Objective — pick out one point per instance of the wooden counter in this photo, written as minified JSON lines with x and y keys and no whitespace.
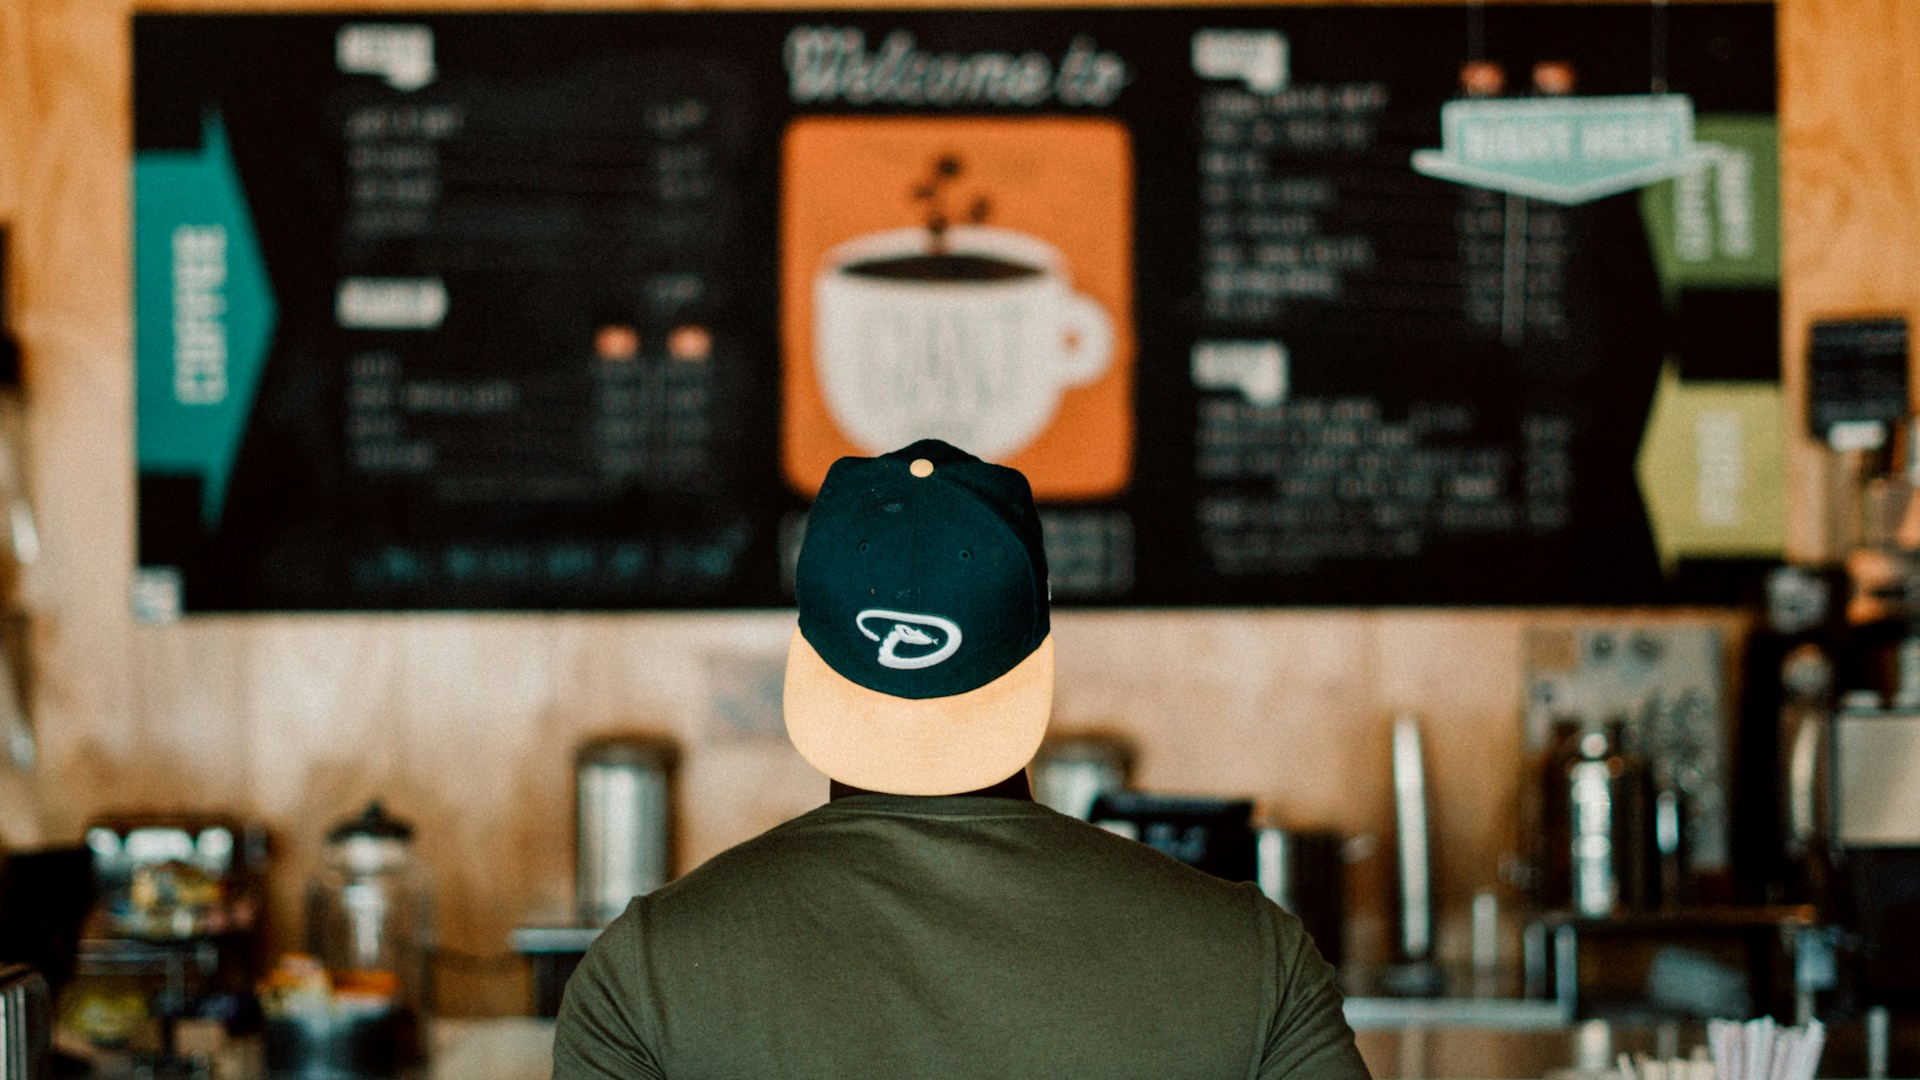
{"x":521,"y":1048}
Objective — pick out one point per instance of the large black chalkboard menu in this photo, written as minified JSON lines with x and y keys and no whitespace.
{"x":572,"y":310}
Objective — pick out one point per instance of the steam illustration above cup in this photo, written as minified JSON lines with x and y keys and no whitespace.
{"x":967,"y":333}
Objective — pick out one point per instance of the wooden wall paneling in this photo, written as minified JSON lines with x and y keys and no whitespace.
{"x":75,"y":187}
{"x":471,"y":689}
{"x":1279,"y":689}
{"x":68,"y":104}
{"x":321,"y":707}
{"x":1461,"y":673}
{"x":1850,"y":203}
{"x":82,"y":657}
{"x":13,"y":93}
{"x":194,"y":747}
{"x":542,"y":832}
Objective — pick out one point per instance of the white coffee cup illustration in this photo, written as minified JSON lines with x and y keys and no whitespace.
{"x":973,"y":343}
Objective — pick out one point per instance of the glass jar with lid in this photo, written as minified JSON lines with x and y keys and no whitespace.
{"x":370,"y":925}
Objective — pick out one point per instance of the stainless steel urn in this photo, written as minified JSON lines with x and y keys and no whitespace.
{"x":623,"y":790}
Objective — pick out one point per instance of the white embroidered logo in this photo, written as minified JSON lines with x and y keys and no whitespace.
{"x":910,"y":629}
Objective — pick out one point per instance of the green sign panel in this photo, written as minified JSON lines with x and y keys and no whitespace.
{"x":1712,"y":469}
{"x":1718,"y":226}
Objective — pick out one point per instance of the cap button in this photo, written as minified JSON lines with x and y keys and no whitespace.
{"x":921,"y":468}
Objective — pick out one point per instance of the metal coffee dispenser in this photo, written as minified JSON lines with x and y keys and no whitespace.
{"x":623,"y":825}
{"x":623,"y":847}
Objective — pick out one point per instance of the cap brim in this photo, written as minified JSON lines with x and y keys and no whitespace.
{"x":929,"y":746}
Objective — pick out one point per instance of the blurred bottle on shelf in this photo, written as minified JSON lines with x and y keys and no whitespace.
{"x":23,"y":817}
{"x":1883,"y":574}
{"x":1792,"y":662}
{"x":19,"y":535}
{"x":21,"y":532}
{"x":1608,"y":799}
{"x":1594,"y":820}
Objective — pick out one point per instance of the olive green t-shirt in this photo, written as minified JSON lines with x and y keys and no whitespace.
{"x":968,"y":936}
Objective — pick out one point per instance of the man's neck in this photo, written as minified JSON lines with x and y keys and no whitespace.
{"x":1013,"y":787}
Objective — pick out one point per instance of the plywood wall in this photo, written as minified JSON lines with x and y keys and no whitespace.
{"x":1850,"y":124}
{"x":466,"y":724}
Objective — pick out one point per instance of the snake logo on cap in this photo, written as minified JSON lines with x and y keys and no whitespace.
{"x":911,"y":629}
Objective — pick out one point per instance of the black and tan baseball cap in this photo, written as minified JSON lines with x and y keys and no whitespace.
{"x":923,"y":661}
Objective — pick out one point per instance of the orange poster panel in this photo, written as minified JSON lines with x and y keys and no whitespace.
{"x":964,"y":279}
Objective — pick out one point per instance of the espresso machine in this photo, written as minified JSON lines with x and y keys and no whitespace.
{"x":1865,"y":764}
{"x":1850,"y":841}
{"x":1875,"y":851}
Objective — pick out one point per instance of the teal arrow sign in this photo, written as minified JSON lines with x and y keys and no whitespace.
{"x":1564,"y":149}
{"x":203,"y":313}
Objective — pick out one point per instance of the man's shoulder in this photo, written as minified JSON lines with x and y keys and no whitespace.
{"x":1020,"y":844}
{"x":1024,"y":864}
{"x":768,"y":853}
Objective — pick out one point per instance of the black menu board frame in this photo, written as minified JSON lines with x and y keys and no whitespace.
{"x":541,"y":308}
